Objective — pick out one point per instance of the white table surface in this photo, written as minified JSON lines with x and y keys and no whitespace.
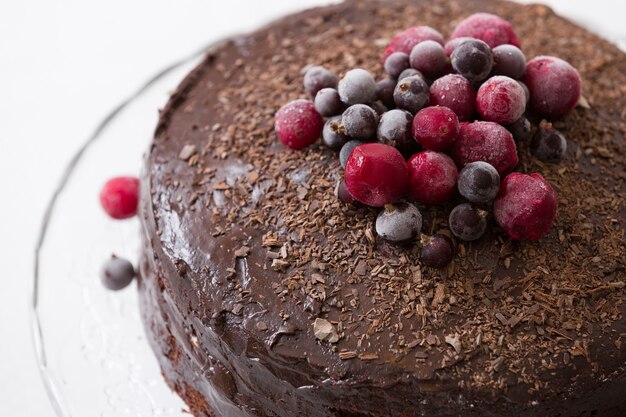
{"x":64,"y":65}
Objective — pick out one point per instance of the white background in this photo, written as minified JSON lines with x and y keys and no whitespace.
{"x":63,"y":65}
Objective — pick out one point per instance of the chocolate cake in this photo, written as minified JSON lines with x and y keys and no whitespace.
{"x":263,"y":295}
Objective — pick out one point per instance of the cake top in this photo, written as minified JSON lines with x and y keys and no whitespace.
{"x":260,"y":239}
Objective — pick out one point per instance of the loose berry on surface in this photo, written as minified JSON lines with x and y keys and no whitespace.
{"x":360,"y":122}
{"x":456,"y":93}
{"x":394,"y":129}
{"x":396,"y":63}
{"x":429,"y":58}
{"x":119,"y":197}
{"x":521,"y":129}
{"x":548,"y":144}
{"x":526,"y":206}
{"x":436,"y":128}
{"x":384,"y":91}
{"x":554,"y":86}
{"x":411,"y":94}
{"x":437,"y":251}
{"x":501,"y":99}
{"x":357,"y":87}
{"x":487,"y":27}
{"x":488,"y":142}
{"x":342,"y":193}
{"x":451,"y":45}
{"x":376,"y":174}
{"x":432,"y":177}
{"x":409,"y":72}
{"x":328,"y":103}
{"x":405,"y":41}
{"x":117,"y":273}
{"x":479,"y":182}
{"x":467,"y":222}
{"x":317,"y":78}
{"x":508,"y":60}
{"x":473,"y":60}
{"x":399,"y":222}
{"x":298,"y":124}
{"x":346,"y":150}
{"x":332,"y":134}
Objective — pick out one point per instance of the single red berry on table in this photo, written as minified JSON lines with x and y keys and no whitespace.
{"x":487,"y":27}
{"x":298,"y":124}
{"x":501,"y":99}
{"x":436,"y":128}
{"x":432,"y":177}
{"x":406,"y":40}
{"x":376,"y":174}
{"x":119,"y":197}
{"x":456,"y":93}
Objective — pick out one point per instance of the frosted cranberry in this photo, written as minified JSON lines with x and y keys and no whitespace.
{"x":456,"y":93}
{"x":488,"y":142}
{"x":399,"y":222}
{"x":396,"y":63}
{"x":548,"y":144}
{"x":117,"y":273}
{"x":317,"y":78}
{"x":298,"y":124}
{"x":525,"y":206}
{"x":487,"y":27}
{"x":411,"y":94}
{"x":554,"y":86}
{"x":376,"y":174}
{"x":435,"y":128}
{"x":473,"y":60}
{"x":508,"y":60}
{"x":501,"y":99}
{"x":437,"y":250}
{"x":432,"y":177}
{"x":451,"y":45}
{"x":405,"y":41}
{"x":119,"y":197}
{"x":467,"y":222}
{"x":429,"y":58}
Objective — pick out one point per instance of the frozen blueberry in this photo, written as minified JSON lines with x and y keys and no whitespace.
{"x":548,"y":144}
{"x":117,"y":273}
{"x":473,"y":60}
{"x":384,"y":91}
{"x":409,"y":72}
{"x":520,"y":129}
{"x":396,"y":63}
{"x":346,"y":150}
{"x":394,"y":129}
{"x":399,"y":222}
{"x":411,"y":94}
{"x":508,"y":60}
{"x":467,"y":222}
{"x":357,"y":87}
{"x":332,"y":134}
{"x":379,"y":107}
{"x":360,"y":122}
{"x":437,"y":251}
{"x":342,"y":193}
{"x":451,"y":45}
{"x":526,"y":91}
{"x":479,"y":182}
{"x":328,"y":103}
{"x":317,"y":78}
{"x":429,"y":58}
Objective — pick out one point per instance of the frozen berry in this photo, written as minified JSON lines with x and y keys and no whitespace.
{"x":376,"y":174}
{"x":298,"y":124}
{"x":399,"y":222}
{"x":117,"y":273}
{"x":432,"y":177}
{"x":396,"y":63}
{"x":384,"y":91}
{"x":479,"y":182}
{"x":360,"y":122}
{"x":520,"y":129}
{"x":473,"y":60}
{"x":317,"y":78}
{"x":119,"y":197}
{"x":508,"y":60}
{"x":411,"y":94}
{"x":437,"y":251}
{"x":436,"y":128}
{"x":346,"y":150}
{"x":554,"y":86}
{"x":342,"y":193}
{"x":429,"y":58}
{"x":501,"y":99}
{"x":488,"y":142}
{"x":548,"y":144}
{"x":456,"y":93}
{"x":394,"y":129}
{"x":409,"y":72}
{"x":487,"y":27}
{"x":467,"y":222}
{"x":328,"y":103}
{"x":332,"y":134}
{"x":525,"y":206}
{"x":405,"y":41}
{"x":526,"y":91}
{"x":357,"y":87}
{"x":379,"y":107}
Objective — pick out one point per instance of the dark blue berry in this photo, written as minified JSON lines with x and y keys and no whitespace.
{"x":342,"y":193}
{"x":521,"y":129}
{"x":399,"y":222}
{"x":473,"y":60}
{"x":327,"y":102}
{"x":409,"y":72}
{"x":467,"y":222}
{"x":437,"y":251}
{"x":411,"y":94}
{"x":360,"y":122}
{"x":429,"y":58}
{"x":508,"y":60}
{"x":479,"y":182}
{"x":317,"y":78}
{"x":357,"y":87}
{"x":379,"y":107}
{"x":346,"y":150}
{"x":548,"y":144}
{"x":394,"y":128}
{"x":526,"y":91}
{"x":332,"y":134}
{"x":117,"y":273}
{"x":396,"y":63}
{"x":384,"y":91}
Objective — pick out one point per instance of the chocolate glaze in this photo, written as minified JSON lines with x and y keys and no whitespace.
{"x":233,"y":342}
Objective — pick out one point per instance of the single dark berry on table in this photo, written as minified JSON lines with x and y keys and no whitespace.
{"x":508,"y":60}
{"x":342,"y":193}
{"x":394,"y":129}
{"x":328,"y":103}
{"x":406,"y":40}
{"x":379,"y":107}
{"x":526,"y":206}
{"x":429,"y":58}
{"x":357,"y":87}
{"x":384,"y":91}
{"x":399,"y":222}
{"x":396,"y":63}
{"x":479,"y":182}
{"x":520,"y":129}
{"x":317,"y":78}
{"x":473,"y":60}
{"x":376,"y":174}
{"x":409,"y":72}
{"x":456,"y":93}
{"x":437,"y":251}
{"x":332,"y":134}
{"x":298,"y":124}
{"x":117,"y":273}
{"x":435,"y":128}
{"x":451,"y":45}
{"x":548,"y":144}
{"x":411,"y":94}
{"x":432,"y":177}
{"x":119,"y":197}
{"x":501,"y":99}
{"x":487,"y":27}
{"x":467,"y":222}
{"x":346,"y":150}
{"x":360,"y":122}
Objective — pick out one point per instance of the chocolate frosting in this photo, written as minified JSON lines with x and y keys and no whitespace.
{"x":245,"y":246}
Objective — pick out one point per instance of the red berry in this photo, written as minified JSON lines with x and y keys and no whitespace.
{"x":525,"y":206}
{"x":488,"y":142}
{"x":405,"y":41}
{"x":487,"y":27}
{"x":554,"y":86}
{"x":432,"y":177}
{"x":298,"y":124}
{"x":436,"y":128}
{"x":376,"y":174}
{"x":456,"y":93}
{"x":119,"y":197}
{"x":501,"y":99}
